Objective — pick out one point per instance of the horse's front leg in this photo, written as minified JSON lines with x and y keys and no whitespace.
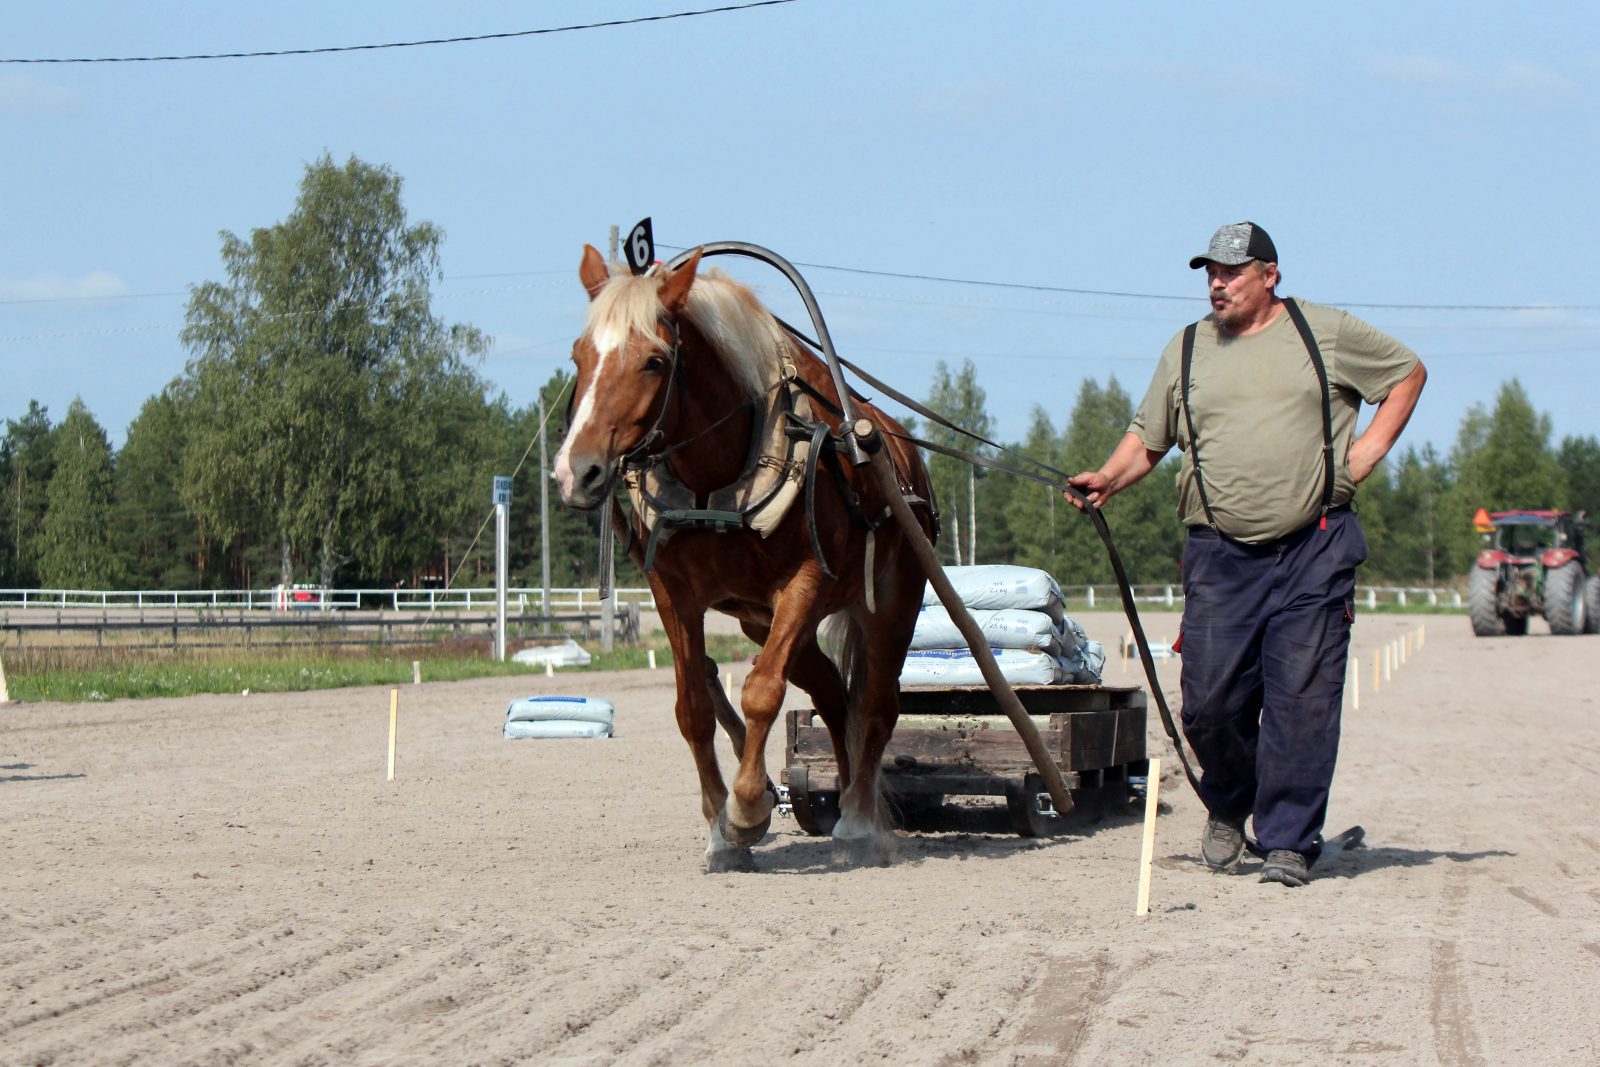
{"x":748,"y":813}
{"x":697,"y":723}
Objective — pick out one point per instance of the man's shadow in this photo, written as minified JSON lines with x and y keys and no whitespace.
{"x":1364,"y":859}
{"x":1354,"y":862}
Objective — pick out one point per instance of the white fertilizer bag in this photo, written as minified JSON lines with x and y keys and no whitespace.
{"x":1034,"y":631}
{"x":564,"y":708}
{"x":1087,"y":663}
{"x":1001,"y":585}
{"x":556,"y":728}
{"x":560,"y":716}
{"x":956,"y":666}
{"x":568,"y":654}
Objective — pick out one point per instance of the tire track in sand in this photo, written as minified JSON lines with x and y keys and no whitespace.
{"x":1072,"y":992}
{"x":1449,"y":1010}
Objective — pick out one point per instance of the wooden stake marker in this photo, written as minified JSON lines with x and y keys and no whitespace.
{"x":394,"y":717}
{"x":651,"y":656}
{"x":5,"y":693}
{"x":1147,"y":852}
{"x":416,"y":672}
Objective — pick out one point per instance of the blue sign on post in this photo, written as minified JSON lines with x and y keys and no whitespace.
{"x":502,"y":489}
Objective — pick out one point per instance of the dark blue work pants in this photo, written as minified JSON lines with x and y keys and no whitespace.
{"x":1266,"y":633}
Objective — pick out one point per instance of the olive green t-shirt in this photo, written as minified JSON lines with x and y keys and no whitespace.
{"x":1257,"y":410}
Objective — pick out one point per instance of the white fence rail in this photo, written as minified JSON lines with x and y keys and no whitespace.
{"x":1107,"y":598}
{"x":523,"y":601}
{"x":529,"y":600}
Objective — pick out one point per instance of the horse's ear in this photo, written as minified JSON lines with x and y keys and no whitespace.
{"x":592,"y":271}
{"x":675,"y":289}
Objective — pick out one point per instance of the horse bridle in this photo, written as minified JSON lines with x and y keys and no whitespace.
{"x":647,"y":451}
{"x":638,"y":456}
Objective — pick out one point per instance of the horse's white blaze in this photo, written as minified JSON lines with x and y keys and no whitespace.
{"x":607,"y":341}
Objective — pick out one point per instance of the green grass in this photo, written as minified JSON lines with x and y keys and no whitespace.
{"x":75,"y":675}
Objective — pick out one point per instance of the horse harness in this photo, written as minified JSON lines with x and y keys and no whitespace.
{"x":1315,"y":353}
{"x":787,"y":444}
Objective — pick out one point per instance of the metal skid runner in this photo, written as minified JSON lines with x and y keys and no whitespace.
{"x":957,"y":741}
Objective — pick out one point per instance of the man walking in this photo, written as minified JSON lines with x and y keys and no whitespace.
{"x":1262,"y":397}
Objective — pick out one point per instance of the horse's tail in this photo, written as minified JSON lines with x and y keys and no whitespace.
{"x":846,"y":642}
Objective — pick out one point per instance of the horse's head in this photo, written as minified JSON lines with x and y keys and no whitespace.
{"x":626,"y":361}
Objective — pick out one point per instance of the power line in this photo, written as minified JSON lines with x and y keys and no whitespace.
{"x":941,"y":279}
{"x":411,"y":44}
{"x":1164,"y":296}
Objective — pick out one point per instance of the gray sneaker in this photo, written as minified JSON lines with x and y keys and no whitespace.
{"x":1222,"y":843}
{"x":1286,"y":867}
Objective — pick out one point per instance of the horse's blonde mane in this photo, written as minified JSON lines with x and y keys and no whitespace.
{"x":747,"y":338}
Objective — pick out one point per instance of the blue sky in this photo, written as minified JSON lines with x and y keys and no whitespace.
{"x":1434,"y":158}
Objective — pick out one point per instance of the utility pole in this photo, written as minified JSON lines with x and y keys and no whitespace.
{"x":544,"y":526}
{"x":608,"y":591}
{"x":972,"y":512}
{"x":502,"y":514}
{"x":616,"y":239}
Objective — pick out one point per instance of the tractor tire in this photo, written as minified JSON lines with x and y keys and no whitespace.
{"x":1563,"y":598}
{"x":1482,"y":586}
{"x":1591,"y":605}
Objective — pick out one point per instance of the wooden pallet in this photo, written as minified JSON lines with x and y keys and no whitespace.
{"x":955,"y":741}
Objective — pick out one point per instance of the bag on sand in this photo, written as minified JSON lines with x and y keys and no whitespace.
{"x":524,"y":728}
{"x":560,"y":716}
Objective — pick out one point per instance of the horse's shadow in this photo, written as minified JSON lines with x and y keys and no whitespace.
{"x":823,"y":855}
{"x":951,"y":832}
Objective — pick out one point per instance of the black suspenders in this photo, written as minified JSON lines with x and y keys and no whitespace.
{"x":1300,"y":324}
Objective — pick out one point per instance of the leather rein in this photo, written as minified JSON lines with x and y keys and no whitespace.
{"x":1044,"y":474}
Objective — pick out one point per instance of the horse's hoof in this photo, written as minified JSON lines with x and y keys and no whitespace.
{"x":875,"y":851}
{"x":730,"y":861}
{"x":742,"y":836}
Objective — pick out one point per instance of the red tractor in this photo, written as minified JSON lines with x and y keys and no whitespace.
{"x":1532,"y":563}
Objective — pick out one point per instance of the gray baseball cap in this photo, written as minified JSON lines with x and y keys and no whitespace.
{"x":1236,"y":243}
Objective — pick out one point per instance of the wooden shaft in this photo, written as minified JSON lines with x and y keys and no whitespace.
{"x":890,"y":486}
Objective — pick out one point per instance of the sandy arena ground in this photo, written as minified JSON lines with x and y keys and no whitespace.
{"x":232,"y":880}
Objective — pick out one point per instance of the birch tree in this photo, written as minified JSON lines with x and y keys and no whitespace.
{"x":325,"y":399}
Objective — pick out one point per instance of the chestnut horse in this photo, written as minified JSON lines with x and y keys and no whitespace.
{"x":687,"y":385}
